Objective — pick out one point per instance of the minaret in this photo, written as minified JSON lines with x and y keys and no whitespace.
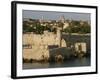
{"x":42,"y":19}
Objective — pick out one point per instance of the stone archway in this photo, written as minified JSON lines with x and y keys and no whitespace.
{"x":59,"y":57}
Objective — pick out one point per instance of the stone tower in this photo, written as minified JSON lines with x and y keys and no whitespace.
{"x":59,"y":36}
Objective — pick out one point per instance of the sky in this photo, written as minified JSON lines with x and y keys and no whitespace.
{"x":51,"y":15}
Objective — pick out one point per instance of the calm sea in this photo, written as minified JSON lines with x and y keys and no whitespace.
{"x":75,"y":62}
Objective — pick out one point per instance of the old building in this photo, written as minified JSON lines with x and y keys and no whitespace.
{"x":36,"y":46}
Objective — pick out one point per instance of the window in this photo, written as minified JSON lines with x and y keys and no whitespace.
{"x":27,"y":46}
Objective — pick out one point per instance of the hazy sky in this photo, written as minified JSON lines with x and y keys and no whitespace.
{"x":55,"y":15}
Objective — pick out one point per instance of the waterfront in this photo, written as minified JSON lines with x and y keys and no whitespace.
{"x":73,"y":62}
{"x":70,"y":62}
{"x":49,"y":43}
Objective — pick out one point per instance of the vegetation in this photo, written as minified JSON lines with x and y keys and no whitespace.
{"x":37,"y":28}
{"x":74,"y":27}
